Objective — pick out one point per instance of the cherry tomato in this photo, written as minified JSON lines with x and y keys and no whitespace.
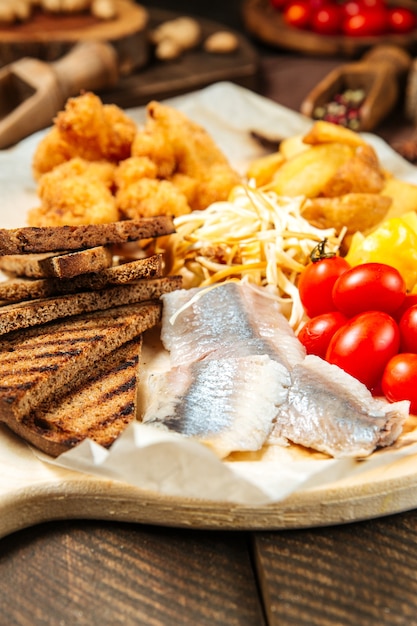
{"x":316,"y":283}
{"x":364,"y":345}
{"x":327,"y":20}
{"x":351,"y":7}
{"x":369,"y":286}
{"x":409,"y":300}
{"x":298,"y":14}
{"x":408,"y":330}
{"x":316,"y":334}
{"x":319,"y":4}
{"x":366,"y":23}
{"x":401,"y":20}
{"x":399,"y":381}
{"x":372,"y":4}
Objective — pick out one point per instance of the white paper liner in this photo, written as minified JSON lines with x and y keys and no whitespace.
{"x":166,"y":463}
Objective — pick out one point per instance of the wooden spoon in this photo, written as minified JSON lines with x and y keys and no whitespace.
{"x":33,"y":91}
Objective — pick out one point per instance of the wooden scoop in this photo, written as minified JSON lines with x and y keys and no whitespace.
{"x":33,"y":91}
{"x":378,"y":74}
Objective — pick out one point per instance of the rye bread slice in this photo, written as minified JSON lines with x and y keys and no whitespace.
{"x":39,"y":363}
{"x":18,"y":289}
{"x":100,"y":408}
{"x":49,"y":264}
{"x":34,"y":312}
{"x":28,"y":239}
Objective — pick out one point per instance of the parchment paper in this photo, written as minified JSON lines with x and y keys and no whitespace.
{"x":168,"y":463}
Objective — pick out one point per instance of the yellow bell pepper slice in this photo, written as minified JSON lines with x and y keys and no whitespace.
{"x":394,"y":242}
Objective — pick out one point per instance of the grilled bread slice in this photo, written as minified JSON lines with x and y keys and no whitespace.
{"x":34,"y":312}
{"x":50,"y":264}
{"x":18,"y":289}
{"x":99,"y":408}
{"x":42,"y":362}
{"x":28,"y":239}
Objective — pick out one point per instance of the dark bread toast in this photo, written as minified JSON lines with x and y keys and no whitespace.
{"x":100,"y":408}
{"x":51,"y":264}
{"x":28,"y":239}
{"x":18,"y":289}
{"x":43,"y":361}
{"x":35,"y":312}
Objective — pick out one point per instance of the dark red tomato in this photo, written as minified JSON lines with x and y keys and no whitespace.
{"x":316,"y":283}
{"x":369,"y":286}
{"x":399,"y":381}
{"x":364,"y":345}
{"x":408,"y":330}
{"x":298,"y":14}
{"x":372,"y":4}
{"x":351,"y":7}
{"x":319,"y":4}
{"x":327,"y":20}
{"x":316,"y":334}
{"x":409,"y":300}
{"x":366,"y":23}
{"x":401,"y":20}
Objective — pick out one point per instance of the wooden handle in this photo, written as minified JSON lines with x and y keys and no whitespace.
{"x":89,"y":66}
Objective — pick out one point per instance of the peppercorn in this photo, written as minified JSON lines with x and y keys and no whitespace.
{"x":344,"y":109}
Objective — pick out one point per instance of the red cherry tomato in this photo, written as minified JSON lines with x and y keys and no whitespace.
{"x":372,"y":4}
{"x":409,"y":300}
{"x":364,"y":345}
{"x":399,"y":381}
{"x":408,"y":330}
{"x":298,"y":14}
{"x":316,"y":283}
{"x":366,"y":23}
{"x":369,"y":286}
{"x":351,"y":7}
{"x":316,"y":334}
{"x":327,"y":20}
{"x":401,"y":20}
{"x":319,"y":4}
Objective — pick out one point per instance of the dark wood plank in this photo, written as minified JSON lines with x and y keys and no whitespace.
{"x":359,"y":574}
{"x":89,"y":573}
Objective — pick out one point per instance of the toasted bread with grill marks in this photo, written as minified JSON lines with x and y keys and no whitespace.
{"x":28,"y":239}
{"x":34,"y":312}
{"x":41,"y":362}
{"x":99,"y":408}
{"x":18,"y":289}
{"x":50,"y":264}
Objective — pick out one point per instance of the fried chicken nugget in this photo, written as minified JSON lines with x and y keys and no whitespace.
{"x":76,"y":192}
{"x":149,"y":197}
{"x":179,"y":146}
{"x":86,"y":128}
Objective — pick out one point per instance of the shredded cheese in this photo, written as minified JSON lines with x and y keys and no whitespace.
{"x":255,"y":236}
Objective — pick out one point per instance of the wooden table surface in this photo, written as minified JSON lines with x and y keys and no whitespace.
{"x":76,"y":573}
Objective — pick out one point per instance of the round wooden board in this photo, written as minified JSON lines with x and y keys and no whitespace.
{"x":48,"y":36}
{"x":32,"y":492}
{"x":265,"y":23}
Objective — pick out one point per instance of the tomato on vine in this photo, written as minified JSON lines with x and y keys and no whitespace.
{"x":316,"y":281}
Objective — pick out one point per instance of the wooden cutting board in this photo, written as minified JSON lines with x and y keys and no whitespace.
{"x":32,"y":492}
{"x":193,"y":70}
{"x":48,"y":36}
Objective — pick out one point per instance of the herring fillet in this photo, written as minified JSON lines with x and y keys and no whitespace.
{"x":232,"y":320}
{"x":330,"y":411}
{"x":228,"y":403}
{"x":322,"y":407}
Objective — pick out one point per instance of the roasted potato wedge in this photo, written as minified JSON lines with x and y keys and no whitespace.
{"x":291,"y":146}
{"x":403,"y":196}
{"x":309,"y":171}
{"x":325,"y":132}
{"x":353,"y":211}
{"x":262,"y":170}
{"x":360,"y":174}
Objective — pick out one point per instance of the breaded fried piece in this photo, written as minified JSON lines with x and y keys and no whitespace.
{"x":86,"y":128}
{"x":133,"y":169}
{"x":178,"y":145}
{"x":76,"y":192}
{"x":149,"y":197}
